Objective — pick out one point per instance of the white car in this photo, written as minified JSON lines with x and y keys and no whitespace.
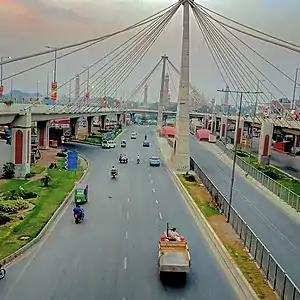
{"x":133,"y":135}
{"x":108,"y":144}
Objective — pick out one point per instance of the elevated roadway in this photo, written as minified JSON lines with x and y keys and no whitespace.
{"x":275,"y":224}
{"x":40,"y":112}
{"x":113,"y":253}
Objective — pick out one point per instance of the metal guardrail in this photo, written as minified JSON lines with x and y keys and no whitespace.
{"x":280,"y":282}
{"x":278,"y":189}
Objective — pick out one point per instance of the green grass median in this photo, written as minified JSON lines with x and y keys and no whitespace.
{"x":229,"y":238}
{"x":276,"y":174}
{"x":25,"y":224}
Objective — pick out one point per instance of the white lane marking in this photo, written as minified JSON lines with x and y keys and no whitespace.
{"x":153,"y":190}
{"x":127,"y":215}
{"x":160,"y":215}
{"x":150,"y":175}
{"x":156,"y":201}
{"x":128,"y":199}
{"x":126,"y":235}
{"x":151,"y":181}
{"x":125,"y":263}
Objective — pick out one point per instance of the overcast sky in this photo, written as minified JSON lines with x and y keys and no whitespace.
{"x":27,"y":26}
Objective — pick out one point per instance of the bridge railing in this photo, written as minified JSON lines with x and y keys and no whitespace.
{"x":274,"y":273}
{"x":278,"y":279}
{"x":278,"y":189}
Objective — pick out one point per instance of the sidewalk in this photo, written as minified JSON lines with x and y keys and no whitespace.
{"x":165,"y":149}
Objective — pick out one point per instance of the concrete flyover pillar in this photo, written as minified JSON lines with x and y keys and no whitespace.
{"x":74,"y":124}
{"x":213,"y":125}
{"x":43,"y":134}
{"x":124,"y":119}
{"x":223,"y":128}
{"x":90,"y":124}
{"x":164,"y":120}
{"x":103,"y":122}
{"x":118,"y":118}
{"x":265,"y":142}
{"x":238,"y":132}
{"x":21,"y":144}
{"x":206,"y":121}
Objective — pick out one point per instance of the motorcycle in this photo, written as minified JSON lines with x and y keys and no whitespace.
{"x":78,"y":218}
{"x":113,"y":174}
{"x":138,"y":161}
{"x":2,"y":273}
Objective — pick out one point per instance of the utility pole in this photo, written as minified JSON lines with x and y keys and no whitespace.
{"x":253,"y":117}
{"x":235,"y":146}
{"x":161,"y":94}
{"x":294,"y":89}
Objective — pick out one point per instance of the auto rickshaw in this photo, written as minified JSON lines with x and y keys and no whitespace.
{"x":81,"y":193}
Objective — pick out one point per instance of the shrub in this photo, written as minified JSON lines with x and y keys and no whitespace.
{"x":61,"y":154}
{"x":28,"y":195}
{"x":189,"y":177}
{"x":11,"y":206}
{"x":30,"y":174}
{"x":46,"y":180}
{"x":4,"y":219}
{"x":8,"y":170}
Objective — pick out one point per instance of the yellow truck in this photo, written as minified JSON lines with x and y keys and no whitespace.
{"x":173,"y":257}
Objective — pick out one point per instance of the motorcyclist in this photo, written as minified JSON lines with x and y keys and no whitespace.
{"x":138,"y":158}
{"x":113,"y":169}
{"x":77,"y":210}
{"x":145,"y":137}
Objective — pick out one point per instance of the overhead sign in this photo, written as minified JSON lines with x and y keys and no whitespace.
{"x":72,"y":160}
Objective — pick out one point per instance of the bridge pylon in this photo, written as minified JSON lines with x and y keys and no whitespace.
{"x":181,"y":145}
{"x":160,"y":107}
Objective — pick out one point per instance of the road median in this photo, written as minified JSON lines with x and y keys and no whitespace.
{"x":28,"y":226}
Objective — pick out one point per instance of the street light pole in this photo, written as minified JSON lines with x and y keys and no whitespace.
{"x":294,"y":89}
{"x":253,"y":116}
{"x":11,"y":88}
{"x":2,"y":58}
{"x":235,"y":147}
{"x":37,"y":89}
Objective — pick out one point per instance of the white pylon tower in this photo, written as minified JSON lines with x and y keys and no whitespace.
{"x":161,"y":94}
{"x":181,"y":146}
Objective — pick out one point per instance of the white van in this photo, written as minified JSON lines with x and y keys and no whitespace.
{"x":108,"y":144}
{"x":133,"y":135}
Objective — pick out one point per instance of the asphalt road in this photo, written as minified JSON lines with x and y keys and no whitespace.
{"x":113,"y":254}
{"x":275,"y":227}
{"x":287,"y":163}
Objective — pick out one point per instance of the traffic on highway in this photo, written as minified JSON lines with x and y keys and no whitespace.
{"x":113,"y":252}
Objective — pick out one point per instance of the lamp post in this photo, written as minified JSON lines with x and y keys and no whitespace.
{"x":87,"y":95}
{"x":2,"y":58}
{"x":48,"y":83}
{"x":294,"y":89}
{"x":235,"y":147}
{"x":37,"y":89}
{"x":55,"y":64}
{"x":11,"y":88}
{"x":253,"y":116}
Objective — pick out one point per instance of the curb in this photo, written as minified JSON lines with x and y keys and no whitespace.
{"x":227,"y":259}
{"x":54,"y":217}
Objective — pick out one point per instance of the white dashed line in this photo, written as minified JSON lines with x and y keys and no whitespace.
{"x":153,"y":190}
{"x":127,"y":215}
{"x":126,"y":235}
{"x":151,"y":181}
{"x":156,"y":201}
{"x":150,"y":175}
{"x":128,"y":199}
{"x":160,"y":215}
{"x":125,"y":263}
